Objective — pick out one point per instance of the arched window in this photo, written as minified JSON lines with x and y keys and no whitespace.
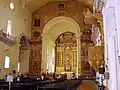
{"x":7,"y":62}
{"x":11,"y":6}
{"x":9,"y":27}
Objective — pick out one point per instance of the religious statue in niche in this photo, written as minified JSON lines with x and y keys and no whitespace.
{"x":24,"y":43}
{"x":87,"y":66}
{"x":35,"y":65}
{"x":68,"y":66}
{"x":67,"y":63}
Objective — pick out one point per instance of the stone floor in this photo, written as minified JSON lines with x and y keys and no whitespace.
{"x":88,"y":85}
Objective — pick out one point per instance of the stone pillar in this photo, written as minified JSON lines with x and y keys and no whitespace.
{"x":112,"y":63}
{"x":47,"y":45}
{"x":17,"y":58}
{"x":110,"y":35}
{"x":44,"y":54}
{"x":78,"y":53}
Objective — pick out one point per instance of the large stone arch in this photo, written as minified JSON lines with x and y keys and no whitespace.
{"x":51,"y":31}
{"x":58,"y":20}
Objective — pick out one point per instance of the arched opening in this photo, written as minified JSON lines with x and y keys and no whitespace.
{"x":54,"y":30}
{"x":24,"y":51}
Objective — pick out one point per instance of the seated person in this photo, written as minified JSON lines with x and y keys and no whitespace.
{"x":42,"y":77}
{"x":59,"y":76}
{"x":22,"y":78}
{"x":73,"y":76}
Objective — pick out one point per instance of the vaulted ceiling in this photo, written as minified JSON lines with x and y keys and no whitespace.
{"x":33,"y":5}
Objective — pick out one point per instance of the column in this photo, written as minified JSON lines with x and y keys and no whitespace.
{"x":16,"y":57}
{"x":53,"y":56}
{"x":78,"y":53}
{"x":44,"y":54}
{"x":117,"y":12}
{"x":112,"y":63}
{"x":110,"y":27}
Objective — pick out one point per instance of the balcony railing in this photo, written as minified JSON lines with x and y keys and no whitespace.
{"x":6,"y":38}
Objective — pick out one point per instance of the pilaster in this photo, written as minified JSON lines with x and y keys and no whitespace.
{"x":78,"y":53}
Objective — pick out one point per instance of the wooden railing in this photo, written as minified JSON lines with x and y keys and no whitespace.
{"x":6,"y":38}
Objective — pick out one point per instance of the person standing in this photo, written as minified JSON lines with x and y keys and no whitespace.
{"x":9,"y":78}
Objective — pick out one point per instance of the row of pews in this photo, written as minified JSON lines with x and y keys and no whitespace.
{"x":42,"y":85}
{"x":64,"y":85}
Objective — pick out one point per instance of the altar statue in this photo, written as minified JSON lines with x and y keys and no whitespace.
{"x":67,"y":66}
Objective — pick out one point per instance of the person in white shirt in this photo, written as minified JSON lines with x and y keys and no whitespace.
{"x":9,"y":78}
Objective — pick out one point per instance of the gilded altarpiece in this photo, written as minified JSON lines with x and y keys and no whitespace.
{"x":66,"y":53}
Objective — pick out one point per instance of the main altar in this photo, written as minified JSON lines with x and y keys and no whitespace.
{"x":66,"y":53}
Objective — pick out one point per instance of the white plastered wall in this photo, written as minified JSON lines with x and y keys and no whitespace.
{"x":21,"y":23}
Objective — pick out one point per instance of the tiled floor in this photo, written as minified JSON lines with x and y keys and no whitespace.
{"x":88,"y":85}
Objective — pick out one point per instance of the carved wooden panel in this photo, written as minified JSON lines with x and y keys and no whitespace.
{"x":86,"y":42}
{"x":35,"y":57}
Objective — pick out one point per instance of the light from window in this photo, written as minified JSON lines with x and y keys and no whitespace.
{"x":11,"y":6}
{"x":9,"y":27}
{"x":18,"y":67}
{"x":7,"y":62}
{"x":53,"y":68}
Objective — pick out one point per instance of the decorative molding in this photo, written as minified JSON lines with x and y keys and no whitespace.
{"x":99,"y":5}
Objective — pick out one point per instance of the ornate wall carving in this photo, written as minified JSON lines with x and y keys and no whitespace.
{"x":66,"y":52}
{"x":35,"y":57}
{"x":85,"y":44}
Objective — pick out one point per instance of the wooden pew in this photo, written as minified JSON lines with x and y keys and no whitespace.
{"x":25,"y":85}
{"x":65,"y":85}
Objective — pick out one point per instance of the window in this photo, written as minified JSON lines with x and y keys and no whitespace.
{"x":9,"y":27}
{"x":7,"y":62}
{"x":11,"y":6}
{"x":18,"y":67}
{"x":36,"y":22}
